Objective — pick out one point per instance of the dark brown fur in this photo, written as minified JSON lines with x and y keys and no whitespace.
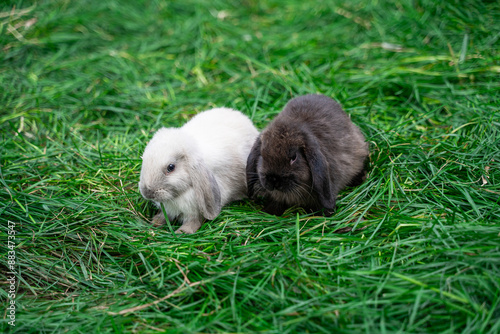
{"x":305,"y":156}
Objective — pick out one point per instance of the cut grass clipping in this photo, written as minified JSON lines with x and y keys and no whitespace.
{"x":85,"y":84}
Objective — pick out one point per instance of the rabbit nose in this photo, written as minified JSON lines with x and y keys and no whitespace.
{"x":148,"y":193}
{"x":272,"y":180}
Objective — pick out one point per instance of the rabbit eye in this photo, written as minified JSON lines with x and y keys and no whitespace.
{"x":292,"y":160}
{"x":170,"y":168}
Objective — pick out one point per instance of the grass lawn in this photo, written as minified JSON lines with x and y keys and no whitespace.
{"x":85,"y":84}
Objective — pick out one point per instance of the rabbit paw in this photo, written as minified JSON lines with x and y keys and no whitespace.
{"x":159,"y":219}
{"x":189,"y":227}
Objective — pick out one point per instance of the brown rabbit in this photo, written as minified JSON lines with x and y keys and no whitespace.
{"x":305,"y":156}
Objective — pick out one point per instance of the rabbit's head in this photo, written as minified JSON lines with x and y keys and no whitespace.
{"x":172,"y":165}
{"x":287,"y":161}
{"x":282,"y":164}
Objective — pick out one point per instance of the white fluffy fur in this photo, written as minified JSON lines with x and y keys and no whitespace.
{"x":216,"y":143}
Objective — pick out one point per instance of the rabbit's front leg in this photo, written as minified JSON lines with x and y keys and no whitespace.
{"x":159,"y":219}
{"x":189,"y":226}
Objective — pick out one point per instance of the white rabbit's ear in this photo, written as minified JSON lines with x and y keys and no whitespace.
{"x":206,"y":190}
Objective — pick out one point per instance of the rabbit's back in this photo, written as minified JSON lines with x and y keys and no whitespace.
{"x":225,"y":138}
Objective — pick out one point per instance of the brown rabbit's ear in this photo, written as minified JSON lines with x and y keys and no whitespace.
{"x":320,"y":172}
{"x":253,"y":158}
{"x":206,"y":190}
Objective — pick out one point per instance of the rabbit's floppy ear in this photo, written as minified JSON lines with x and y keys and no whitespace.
{"x":319,"y":171}
{"x":206,"y":190}
{"x":253,"y":158}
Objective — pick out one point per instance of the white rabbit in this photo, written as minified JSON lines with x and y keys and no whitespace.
{"x":198,"y":168}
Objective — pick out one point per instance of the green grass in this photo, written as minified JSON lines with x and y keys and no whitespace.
{"x":415,"y":249}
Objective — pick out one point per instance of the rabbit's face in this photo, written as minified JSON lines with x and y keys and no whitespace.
{"x":165,"y":181}
{"x":282,"y":165}
{"x":164,"y":173}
